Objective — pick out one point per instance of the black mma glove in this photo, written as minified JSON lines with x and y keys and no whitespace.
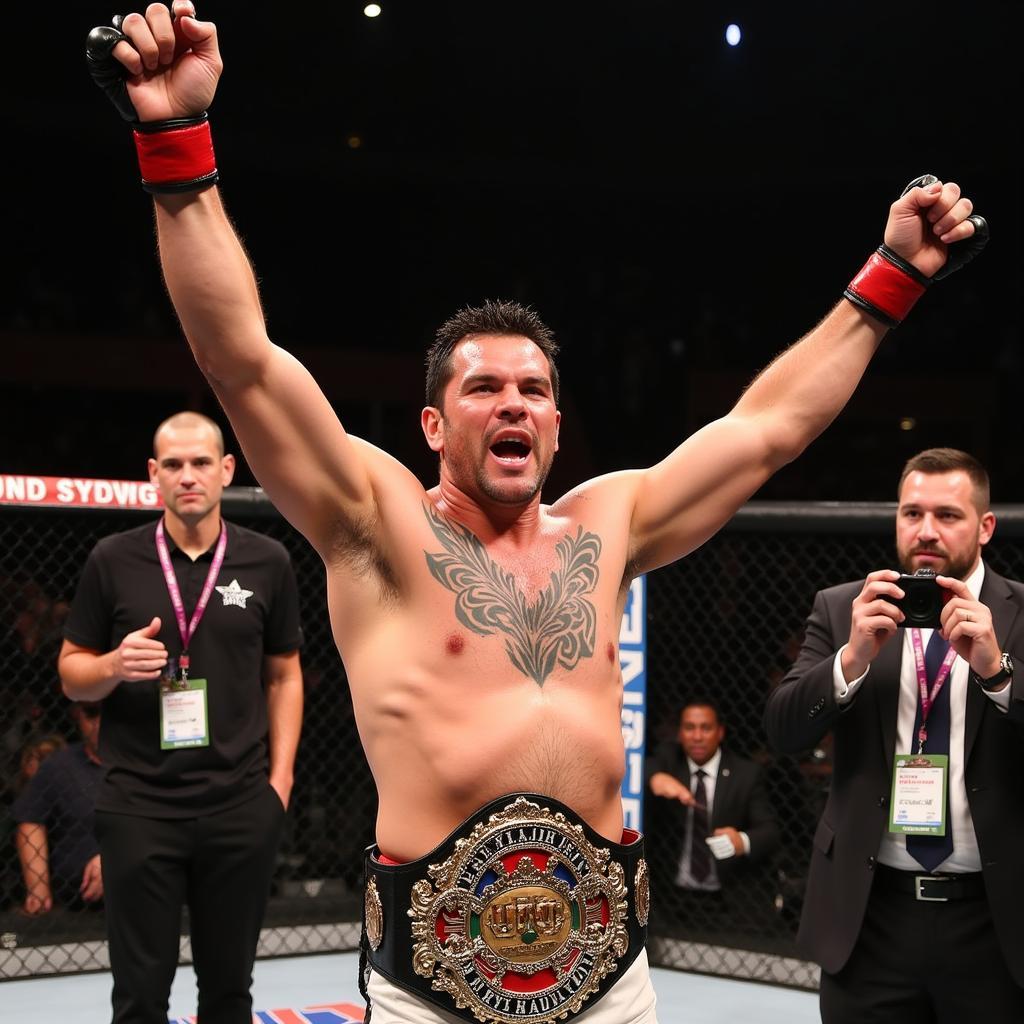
{"x":174,"y":155}
{"x":887,"y":286}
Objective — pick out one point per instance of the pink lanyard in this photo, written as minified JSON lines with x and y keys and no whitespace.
{"x":188,"y":629}
{"x":927,"y":699}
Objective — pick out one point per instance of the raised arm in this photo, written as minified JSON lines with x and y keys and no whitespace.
{"x":291,"y":436}
{"x":686,"y":498}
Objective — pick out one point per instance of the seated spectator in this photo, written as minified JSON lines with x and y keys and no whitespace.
{"x":33,"y":754}
{"x":36,"y":749}
{"x":59,"y":856}
{"x":711,"y":824}
{"x":21,"y":724}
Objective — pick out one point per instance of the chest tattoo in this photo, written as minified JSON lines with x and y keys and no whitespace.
{"x":557,"y":629}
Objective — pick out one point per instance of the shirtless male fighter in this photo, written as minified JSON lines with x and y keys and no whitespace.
{"x":478,"y":626}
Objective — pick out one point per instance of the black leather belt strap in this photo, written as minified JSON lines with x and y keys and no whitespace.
{"x":501,"y":909}
{"x":931,"y":888}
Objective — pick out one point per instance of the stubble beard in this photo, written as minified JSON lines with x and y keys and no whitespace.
{"x":512,"y":491}
{"x":502,"y":490}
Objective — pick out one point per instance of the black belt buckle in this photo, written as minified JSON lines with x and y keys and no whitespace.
{"x":921,"y":880}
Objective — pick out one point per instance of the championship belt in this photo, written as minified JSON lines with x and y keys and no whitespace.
{"x":523,"y":915}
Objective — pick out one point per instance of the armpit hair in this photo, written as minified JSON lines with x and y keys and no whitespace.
{"x":355,"y":547}
{"x":630,"y":571}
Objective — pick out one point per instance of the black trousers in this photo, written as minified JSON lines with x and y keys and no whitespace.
{"x":218,"y":865}
{"x":917,"y":962}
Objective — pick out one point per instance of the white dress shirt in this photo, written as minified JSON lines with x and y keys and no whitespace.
{"x":893,"y":848}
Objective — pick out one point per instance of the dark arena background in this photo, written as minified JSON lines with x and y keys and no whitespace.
{"x":676,"y":208}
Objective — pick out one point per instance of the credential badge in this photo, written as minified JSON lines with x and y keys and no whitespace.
{"x":523,"y":921}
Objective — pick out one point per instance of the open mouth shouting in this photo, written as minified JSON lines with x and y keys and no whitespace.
{"x":511,"y":447}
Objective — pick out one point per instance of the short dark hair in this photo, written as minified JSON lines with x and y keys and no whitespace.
{"x":947,"y":460}
{"x":495,"y":316}
{"x":701,"y":700}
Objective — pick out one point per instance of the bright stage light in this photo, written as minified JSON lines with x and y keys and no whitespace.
{"x":733,"y":35}
{"x":372,"y":10}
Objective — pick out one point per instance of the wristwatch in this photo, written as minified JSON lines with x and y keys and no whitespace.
{"x":1005,"y":672}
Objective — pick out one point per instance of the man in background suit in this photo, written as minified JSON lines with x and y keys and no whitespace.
{"x":911,"y":927}
{"x":706,"y":791}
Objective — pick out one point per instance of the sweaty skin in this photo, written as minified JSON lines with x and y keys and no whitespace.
{"x":451,"y":717}
{"x":472,"y":650}
{"x":533,"y":591}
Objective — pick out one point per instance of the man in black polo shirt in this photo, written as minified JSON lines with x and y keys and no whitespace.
{"x":187,"y":629}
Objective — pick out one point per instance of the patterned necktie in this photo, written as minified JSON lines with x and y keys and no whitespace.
{"x":931,"y":851}
{"x":700,"y":855}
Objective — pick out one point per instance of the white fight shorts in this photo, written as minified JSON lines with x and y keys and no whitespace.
{"x":630,"y":1001}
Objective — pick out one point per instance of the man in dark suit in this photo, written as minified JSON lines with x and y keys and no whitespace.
{"x":908,"y":925}
{"x":709,"y":793}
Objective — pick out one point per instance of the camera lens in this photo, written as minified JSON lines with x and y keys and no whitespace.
{"x":922,"y":603}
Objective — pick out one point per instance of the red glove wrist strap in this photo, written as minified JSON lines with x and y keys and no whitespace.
{"x":885,"y":290}
{"x":176,"y":156}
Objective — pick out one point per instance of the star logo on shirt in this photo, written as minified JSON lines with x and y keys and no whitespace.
{"x":234,"y":594}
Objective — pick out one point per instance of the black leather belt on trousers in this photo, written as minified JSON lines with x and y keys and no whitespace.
{"x":931,"y":888}
{"x":523,"y":915}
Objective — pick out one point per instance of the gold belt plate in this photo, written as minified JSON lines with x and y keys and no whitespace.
{"x":523,"y":921}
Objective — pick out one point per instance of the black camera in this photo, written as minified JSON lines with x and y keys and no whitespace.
{"x":923,"y":600}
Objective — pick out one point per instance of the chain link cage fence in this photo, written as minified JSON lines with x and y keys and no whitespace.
{"x":316,"y":895}
{"x":727,"y":622}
